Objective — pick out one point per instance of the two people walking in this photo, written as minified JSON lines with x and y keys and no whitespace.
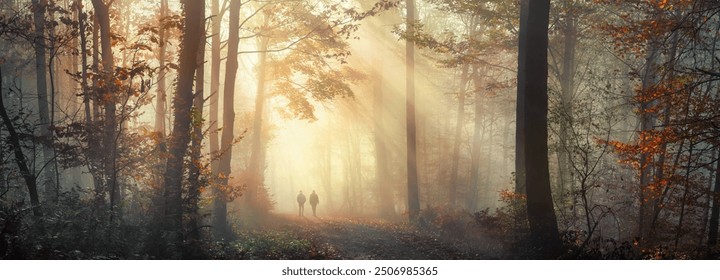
{"x":314,"y":201}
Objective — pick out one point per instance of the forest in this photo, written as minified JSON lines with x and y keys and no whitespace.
{"x":414,"y":129}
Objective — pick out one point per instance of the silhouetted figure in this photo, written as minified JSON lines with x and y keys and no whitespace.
{"x":301,"y":203}
{"x":314,"y":201}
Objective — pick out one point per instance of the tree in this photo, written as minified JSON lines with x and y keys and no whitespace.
{"x":161,"y":87}
{"x":520,"y":177}
{"x":480,"y":34}
{"x":22,"y":163}
{"x":227,"y":138}
{"x":715,"y":212}
{"x":459,"y":124}
{"x":213,"y":111}
{"x":478,"y":135}
{"x":108,"y":99}
{"x":656,"y":40}
{"x":39,"y":8}
{"x":566,"y":73}
{"x":532,"y":139}
{"x":256,"y":169}
{"x":82,"y":18}
{"x":180,"y":137}
{"x":195,"y":166}
{"x":412,"y":176}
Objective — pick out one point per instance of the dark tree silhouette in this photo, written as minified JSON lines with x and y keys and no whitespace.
{"x":532,"y":111}
{"x":22,"y":163}
{"x":227,"y":137}
{"x":180,"y":136}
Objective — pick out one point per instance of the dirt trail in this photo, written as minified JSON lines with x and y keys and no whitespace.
{"x":357,"y":238}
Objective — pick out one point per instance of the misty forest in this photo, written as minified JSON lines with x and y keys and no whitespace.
{"x":359,"y":129}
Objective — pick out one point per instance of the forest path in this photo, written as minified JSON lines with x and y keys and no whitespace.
{"x":364,"y":238}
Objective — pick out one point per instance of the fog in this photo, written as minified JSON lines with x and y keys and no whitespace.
{"x":176,"y":123}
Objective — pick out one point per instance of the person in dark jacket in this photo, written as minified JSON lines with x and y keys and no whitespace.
{"x":314,"y":201}
{"x":301,"y":203}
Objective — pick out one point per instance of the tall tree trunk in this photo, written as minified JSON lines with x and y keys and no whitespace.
{"x":53,"y":191}
{"x":683,"y":201}
{"x":96,"y":67}
{"x":196,"y":142}
{"x":92,"y":158}
{"x":161,"y":98}
{"x":108,"y":101}
{"x":647,"y":122}
{"x":656,"y":207}
{"x":231,"y":65}
{"x":486,"y":197}
{"x":82,"y":17}
{"x":257,"y":154}
{"x":94,"y":148}
{"x":506,"y":148}
{"x":459,"y":124}
{"x":214,"y":82}
{"x":715,"y":211}
{"x":14,"y":141}
{"x":71,"y":83}
{"x":161,"y":102}
{"x":478,"y":134}
{"x":567,"y":87}
{"x":706,"y":204}
{"x":714,"y":195}
{"x":180,"y":136}
{"x":520,"y":177}
{"x":532,"y":88}
{"x":412,"y":176}
{"x":41,"y":86}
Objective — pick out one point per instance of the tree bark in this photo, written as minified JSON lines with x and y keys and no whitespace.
{"x":82,"y":17}
{"x":196,"y":143}
{"x":715,"y":211}
{"x":52,"y":190}
{"x":647,"y":123}
{"x":412,"y":176}
{"x":180,"y":136}
{"x":532,"y":88}
{"x":214,"y":83}
{"x":683,"y":201}
{"x":227,"y":137}
{"x":161,"y":98}
{"x":706,"y":204}
{"x":96,"y":67}
{"x":71,"y":83}
{"x":107,"y":98}
{"x":95,"y":160}
{"x":161,"y":102}
{"x":520,"y":103}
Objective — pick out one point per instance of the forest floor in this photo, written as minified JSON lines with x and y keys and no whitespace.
{"x":341,"y":237}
